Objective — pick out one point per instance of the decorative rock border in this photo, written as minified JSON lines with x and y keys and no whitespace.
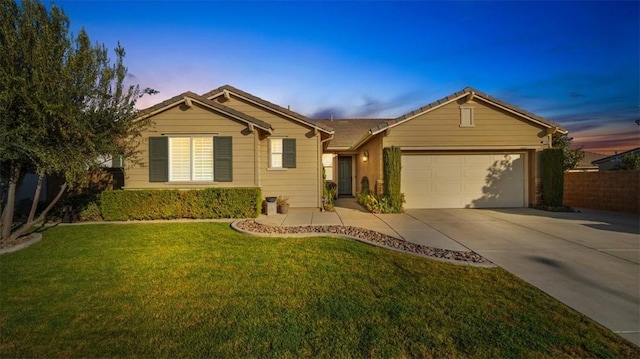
{"x":252,"y":227}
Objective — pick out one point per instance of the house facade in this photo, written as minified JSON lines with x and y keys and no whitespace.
{"x":467,"y":150}
{"x":228,"y":138}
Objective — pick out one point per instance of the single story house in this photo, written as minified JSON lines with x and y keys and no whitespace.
{"x":466,"y":150}
{"x":612,"y":162}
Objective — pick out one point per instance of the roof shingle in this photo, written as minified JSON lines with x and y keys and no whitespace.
{"x":349,"y":130}
{"x":211,"y":104}
{"x":458,"y":94}
{"x":273,"y":106}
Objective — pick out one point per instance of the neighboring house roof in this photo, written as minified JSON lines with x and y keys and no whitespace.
{"x":458,"y":95}
{"x":588,"y":159}
{"x":266,"y":104}
{"x":349,"y":130}
{"x":616,"y":156}
{"x":189,"y":97}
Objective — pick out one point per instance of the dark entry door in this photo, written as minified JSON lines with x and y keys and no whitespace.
{"x":344,"y":176}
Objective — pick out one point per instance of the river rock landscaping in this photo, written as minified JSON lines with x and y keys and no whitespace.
{"x":365,"y":235}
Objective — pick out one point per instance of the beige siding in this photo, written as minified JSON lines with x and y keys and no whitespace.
{"x":373,"y":167}
{"x":301,"y":184}
{"x":441,"y":128}
{"x":197,"y":120}
{"x":493,"y":129}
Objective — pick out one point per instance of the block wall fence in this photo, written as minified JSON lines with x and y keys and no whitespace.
{"x":608,"y":190}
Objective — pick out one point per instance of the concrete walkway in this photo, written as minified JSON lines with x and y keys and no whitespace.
{"x":590,"y":260}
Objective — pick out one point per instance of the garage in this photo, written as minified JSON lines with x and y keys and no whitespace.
{"x":483,"y":180}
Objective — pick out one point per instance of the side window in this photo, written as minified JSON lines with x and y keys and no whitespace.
{"x":282,"y":153}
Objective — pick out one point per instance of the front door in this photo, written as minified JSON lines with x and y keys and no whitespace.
{"x":344,"y":176}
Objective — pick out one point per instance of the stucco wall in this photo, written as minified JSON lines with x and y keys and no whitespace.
{"x":609,"y":190}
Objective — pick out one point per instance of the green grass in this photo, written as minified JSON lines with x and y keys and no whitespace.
{"x":202,"y":290}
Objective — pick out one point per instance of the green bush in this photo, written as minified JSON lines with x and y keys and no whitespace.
{"x":375,"y":204}
{"x":552,"y":163}
{"x":91,"y":212}
{"x":172,"y":204}
{"x":83,"y":206}
{"x":391,"y":162}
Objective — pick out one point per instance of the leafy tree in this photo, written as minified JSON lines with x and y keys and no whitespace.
{"x":571,"y":156}
{"x":63,"y":105}
{"x":630,"y":161}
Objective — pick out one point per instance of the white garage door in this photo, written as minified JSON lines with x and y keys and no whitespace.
{"x":463,"y":181}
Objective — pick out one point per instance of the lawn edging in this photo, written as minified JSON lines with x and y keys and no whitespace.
{"x":234,"y":226}
{"x":34,"y":238}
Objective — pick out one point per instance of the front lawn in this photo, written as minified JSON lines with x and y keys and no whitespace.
{"x":202,"y":290}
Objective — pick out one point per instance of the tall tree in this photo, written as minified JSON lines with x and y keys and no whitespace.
{"x":63,"y":104}
{"x":572,"y":156}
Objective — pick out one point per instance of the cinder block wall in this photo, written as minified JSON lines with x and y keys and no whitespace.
{"x":608,"y":190}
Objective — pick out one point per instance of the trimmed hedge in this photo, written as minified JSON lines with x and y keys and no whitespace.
{"x":552,"y":164}
{"x":172,"y":204}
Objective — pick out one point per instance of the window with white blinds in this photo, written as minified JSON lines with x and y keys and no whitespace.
{"x":276,"y":153}
{"x":202,"y":149}
{"x":191,"y":159}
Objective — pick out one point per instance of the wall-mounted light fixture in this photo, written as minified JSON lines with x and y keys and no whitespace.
{"x":365,"y":155}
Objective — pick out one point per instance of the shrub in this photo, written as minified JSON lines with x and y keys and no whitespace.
{"x":91,"y":212}
{"x":83,"y":206}
{"x":552,"y":163}
{"x":375,"y":204}
{"x":391,"y":161}
{"x":172,"y":204}
{"x":364,"y":184}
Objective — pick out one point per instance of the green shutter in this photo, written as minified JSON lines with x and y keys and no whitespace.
{"x":117,"y":162}
{"x":289,"y":152}
{"x":222,"y":159}
{"x":158,"y":159}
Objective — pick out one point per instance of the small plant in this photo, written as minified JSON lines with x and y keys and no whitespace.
{"x":283,"y":204}
{"x":329,"y":195}
{"x":364,"y":184}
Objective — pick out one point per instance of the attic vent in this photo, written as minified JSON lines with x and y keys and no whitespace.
{"x":466,"y":116}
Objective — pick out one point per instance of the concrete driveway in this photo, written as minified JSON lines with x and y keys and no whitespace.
{"x":590,"y":260}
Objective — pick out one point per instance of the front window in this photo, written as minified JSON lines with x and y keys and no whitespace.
{"x":191,"y":159}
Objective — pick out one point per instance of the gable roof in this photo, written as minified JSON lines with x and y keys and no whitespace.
{"x":268,"y":105}
{"x":349,"y":130}
{"x":189,"y":96}
{"x":468,"y":91}
{"x":617,"y":155}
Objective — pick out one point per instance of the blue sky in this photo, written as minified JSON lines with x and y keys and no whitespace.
{"x":575,"y":63}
